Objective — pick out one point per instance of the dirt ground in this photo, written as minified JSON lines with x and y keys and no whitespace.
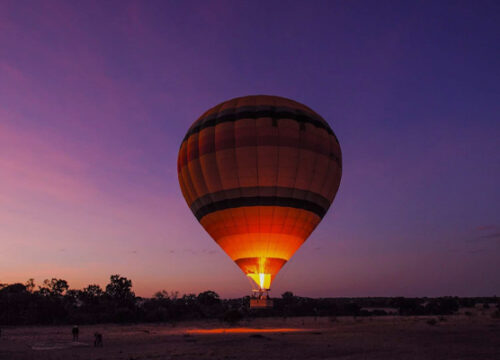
{"x":452,"y":337}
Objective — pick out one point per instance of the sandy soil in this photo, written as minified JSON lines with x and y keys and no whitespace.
{"x":455,"y":337}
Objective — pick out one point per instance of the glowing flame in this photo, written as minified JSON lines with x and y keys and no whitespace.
{"x":262,"y":278}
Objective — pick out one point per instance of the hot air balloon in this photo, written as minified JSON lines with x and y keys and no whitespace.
{"x":259,"y":173}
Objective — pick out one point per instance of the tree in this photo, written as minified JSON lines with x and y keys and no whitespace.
{"x":188,"y":299}
{"x":288,"y":296}
{"x":92,"y":291}
{"x":13,"y":288}
{"x":14,"y":300}
{"x":208,"y":298}
{"x":30,"y":285}
{"x":164,"y":294}
{"x":53,"y":287}
{"x":119,"y":288}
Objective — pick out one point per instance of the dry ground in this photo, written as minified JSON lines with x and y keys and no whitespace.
{"x":455,"y":337}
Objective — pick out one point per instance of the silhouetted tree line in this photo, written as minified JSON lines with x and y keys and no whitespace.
{"x":54,"y":302}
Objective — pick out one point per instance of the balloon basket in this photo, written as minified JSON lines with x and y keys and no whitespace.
{"x":260,"y":300}
{"x":261,"y":304}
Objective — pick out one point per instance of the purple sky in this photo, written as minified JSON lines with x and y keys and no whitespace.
{"x":95,"y":98}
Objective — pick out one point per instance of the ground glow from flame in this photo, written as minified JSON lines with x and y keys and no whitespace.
{"x":244,"y":330}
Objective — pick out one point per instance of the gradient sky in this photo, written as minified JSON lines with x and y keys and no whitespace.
{"x":95,"y":98}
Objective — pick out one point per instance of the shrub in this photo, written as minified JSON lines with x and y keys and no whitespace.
{"x":232,"y":316}
{"x":432,"y":322}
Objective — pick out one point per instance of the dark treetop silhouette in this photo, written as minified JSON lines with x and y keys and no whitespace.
{"x":55,"y":303}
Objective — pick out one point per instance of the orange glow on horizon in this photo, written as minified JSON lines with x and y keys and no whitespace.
{"x":244,"y":330}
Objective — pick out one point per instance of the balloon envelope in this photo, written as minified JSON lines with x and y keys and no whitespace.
{"x":259,"y":173}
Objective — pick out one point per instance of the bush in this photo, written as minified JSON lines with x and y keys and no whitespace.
{"x":432,"y":322}
{"x":232,"y":316}
{"x":124,"y":315}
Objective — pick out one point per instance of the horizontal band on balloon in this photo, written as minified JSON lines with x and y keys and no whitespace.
{"x":317,"y":174}
{"x":256,"y":112}
{"x":260,"y":191}
{"x":258,"y":226}
{"x":260,"y":265}
{"x":259,"y":166}
{"x":229,"y":141}
{"x":261,"y":201}
{"x":281,"y":246}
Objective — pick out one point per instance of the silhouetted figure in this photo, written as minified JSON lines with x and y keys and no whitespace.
{"x":97,"y":339}
{"x":75,"y":331}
